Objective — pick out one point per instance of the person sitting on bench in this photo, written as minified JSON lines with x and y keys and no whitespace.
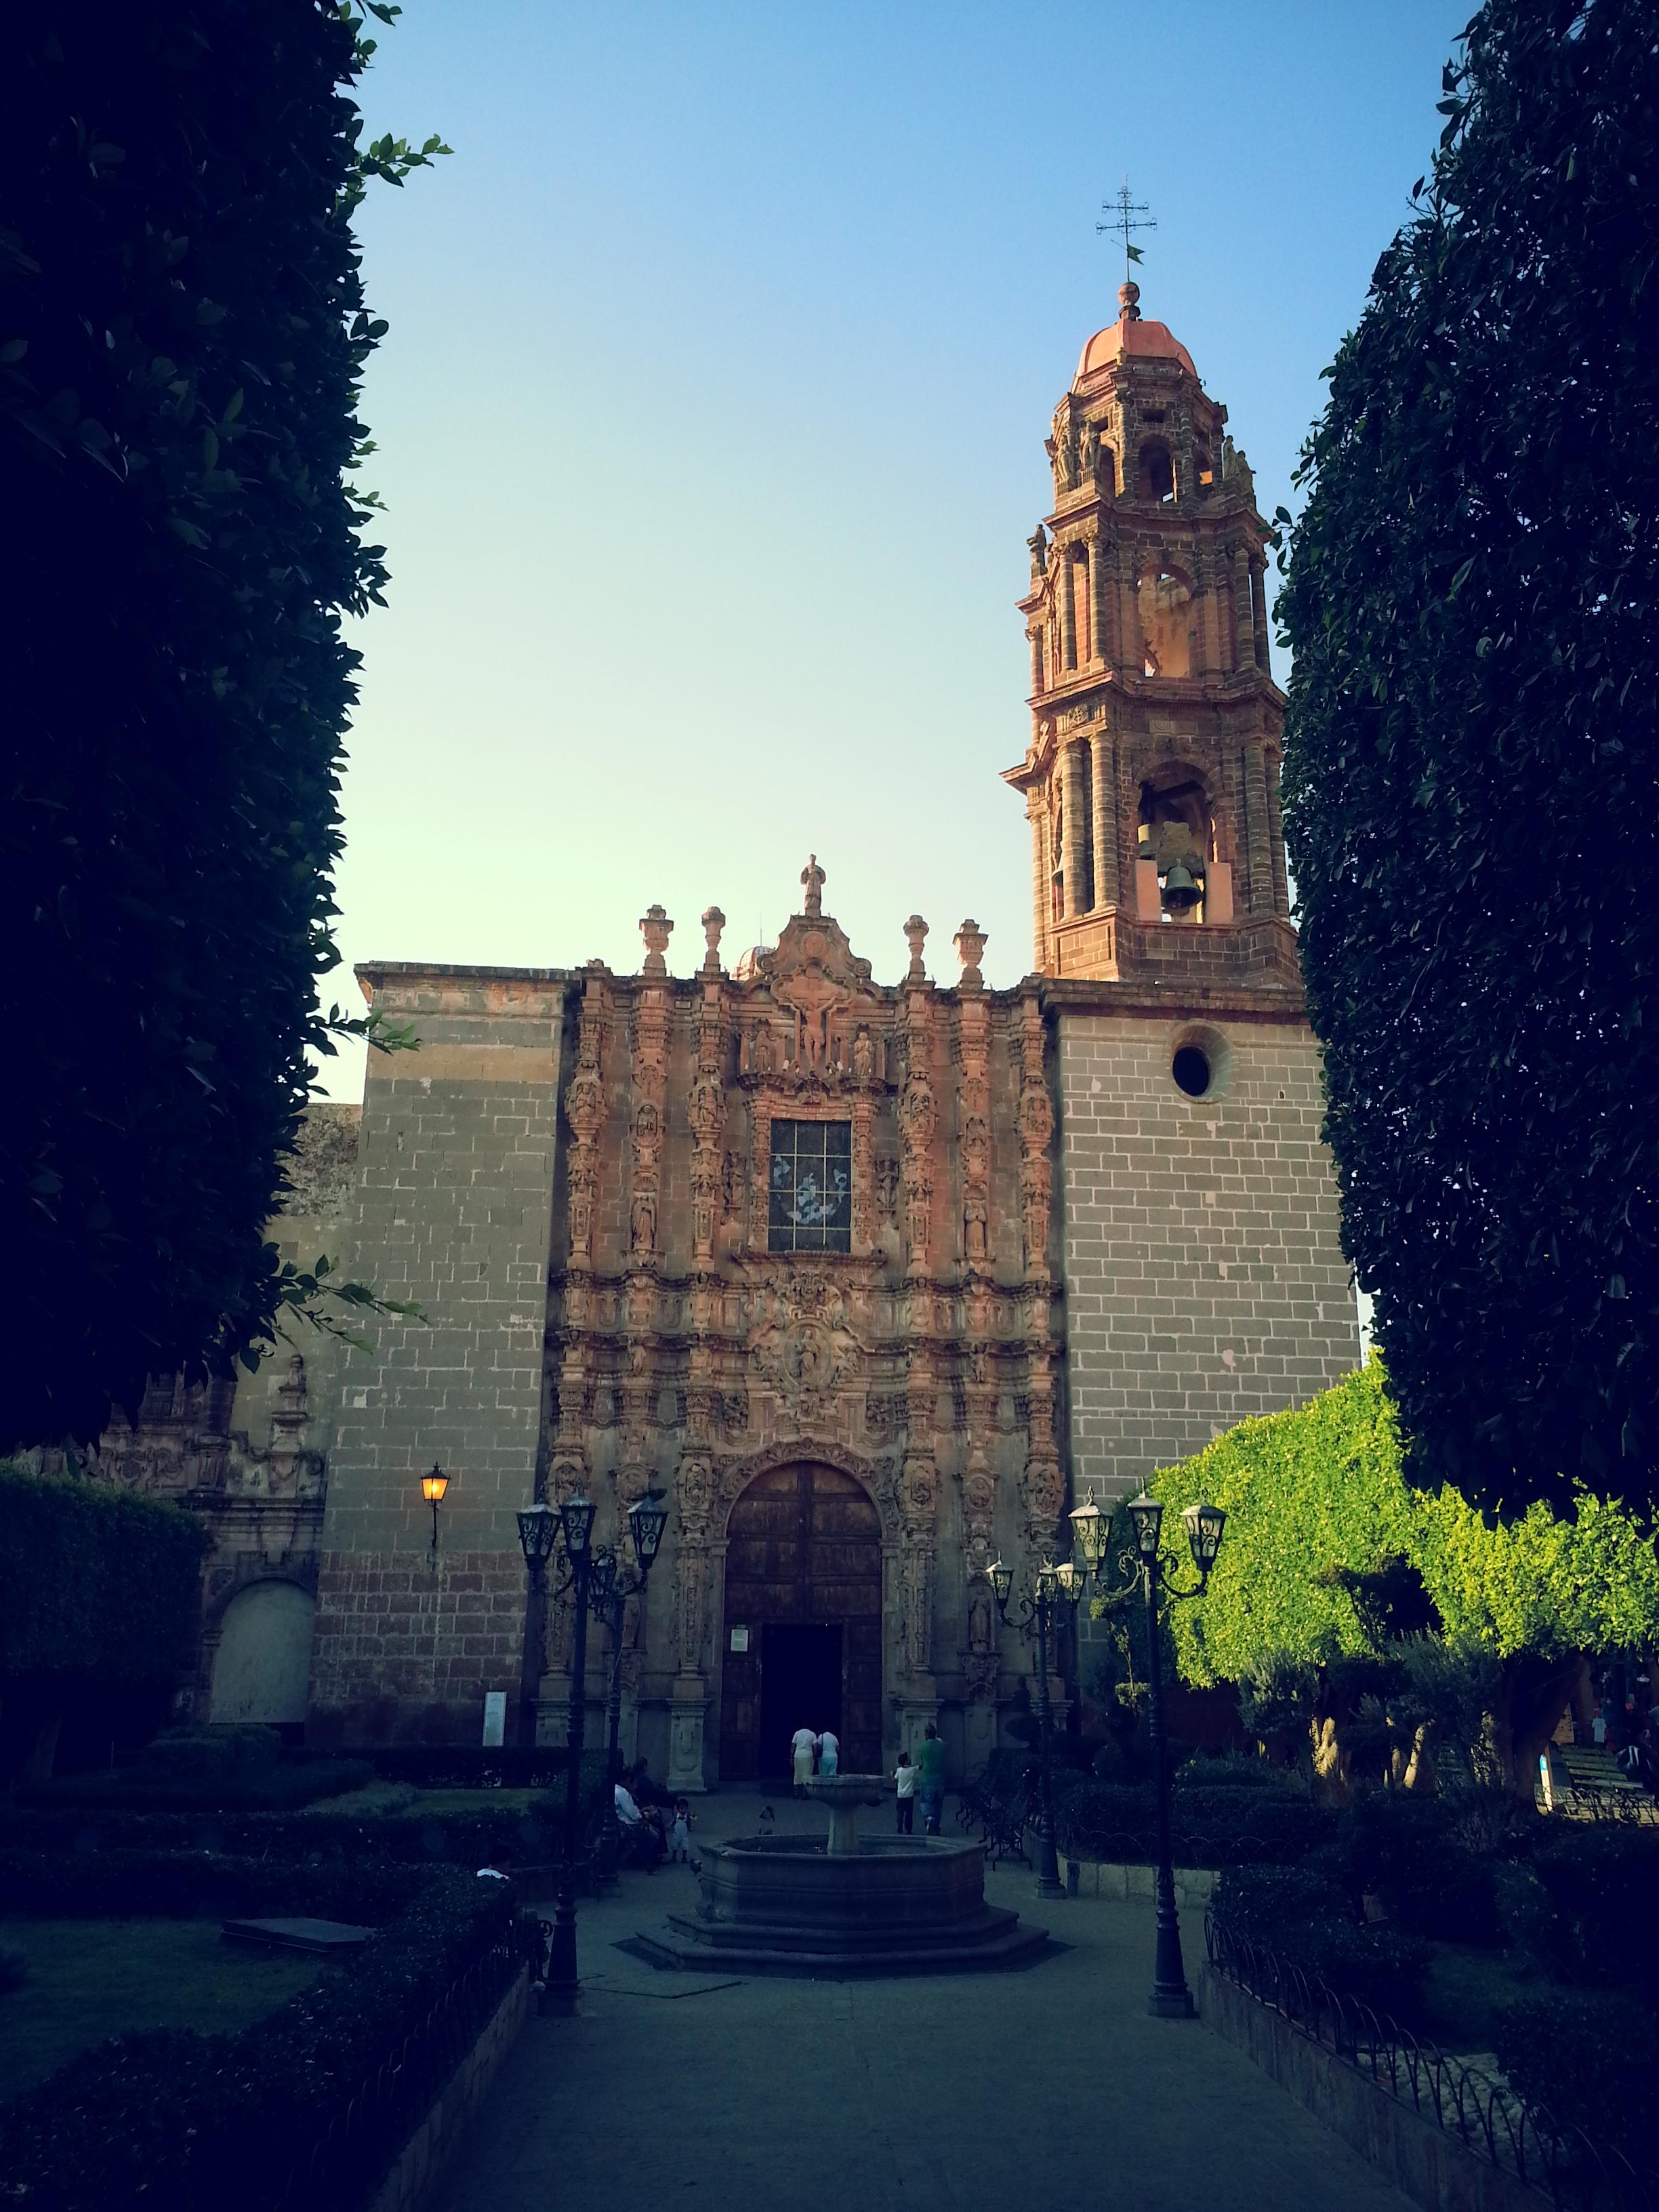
{"x":641,"y":1832}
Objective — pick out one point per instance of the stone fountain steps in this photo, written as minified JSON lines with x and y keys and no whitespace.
{"x":989,"y":1942}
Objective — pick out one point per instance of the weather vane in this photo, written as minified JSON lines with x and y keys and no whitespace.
{"x":1124,"y":220}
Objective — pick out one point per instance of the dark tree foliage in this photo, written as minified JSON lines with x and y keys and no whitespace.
{"x":1472,"y":599}
{"x":182,"y":333}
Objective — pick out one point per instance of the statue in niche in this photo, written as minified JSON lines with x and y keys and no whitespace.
{"x":1037,"y":545}
{"x":976,"y":1219}
{"x":864,"y":1056}
{"x":980,"y":1635}
{"x":644,"y":1220}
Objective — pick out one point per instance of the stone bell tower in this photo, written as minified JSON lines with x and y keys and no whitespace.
{"x":1202,"y":1261}
{"x":1152,"y":776}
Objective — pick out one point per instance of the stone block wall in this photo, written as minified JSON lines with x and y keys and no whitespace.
{"x":1205,"y":1280}
{"x":458,"y":1162}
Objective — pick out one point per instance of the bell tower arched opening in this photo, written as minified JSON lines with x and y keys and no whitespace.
{"x":801,"y":1639}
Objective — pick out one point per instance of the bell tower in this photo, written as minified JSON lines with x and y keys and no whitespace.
{"x":1152,"y":776}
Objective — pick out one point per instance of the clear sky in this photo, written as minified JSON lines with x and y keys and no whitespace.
{"x":710,"y":424}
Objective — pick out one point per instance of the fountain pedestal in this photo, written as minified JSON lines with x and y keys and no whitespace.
{"x":858,"y":1905}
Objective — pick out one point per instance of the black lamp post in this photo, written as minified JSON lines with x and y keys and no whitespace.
{"x":591,"y":1577}
{"x":1171,"y":1997}
{"x":539,"y":1532}
{"x":1053,"y":1588}
{"x":613,"y":1586}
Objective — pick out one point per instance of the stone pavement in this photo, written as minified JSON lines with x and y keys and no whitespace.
{"x":961,"y":2093}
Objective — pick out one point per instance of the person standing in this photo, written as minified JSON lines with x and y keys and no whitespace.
{"x":829,"y":1752}
{"x":904,"y":1787}
{"x":930,"y":1780}
{"x":802,"y":1745}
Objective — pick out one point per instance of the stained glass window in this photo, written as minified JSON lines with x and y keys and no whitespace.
{"x":810,"y":1194}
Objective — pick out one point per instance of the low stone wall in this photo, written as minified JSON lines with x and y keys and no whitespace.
{"x":1426,"y":2162}
{"x":1107,"y":1878}
{"x":422,"y":2162}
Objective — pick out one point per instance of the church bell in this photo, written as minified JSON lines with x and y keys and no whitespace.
{"x":1182,"y":892}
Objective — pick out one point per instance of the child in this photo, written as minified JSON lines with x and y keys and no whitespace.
{"x":679,"y":1833}
{"x":904,"y":1784}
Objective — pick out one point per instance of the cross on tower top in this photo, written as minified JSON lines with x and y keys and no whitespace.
{"x":1124,"y":220}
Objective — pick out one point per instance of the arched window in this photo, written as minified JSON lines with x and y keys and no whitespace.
{"x":1166,"y":620}
{"x":1178,"y":835}
{"x":1155,"y":478}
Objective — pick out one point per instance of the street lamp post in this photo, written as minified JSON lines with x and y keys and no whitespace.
{"x":590,"y":1577}
{"x":1171,"y":1997}
{"x":1053,"y":1587}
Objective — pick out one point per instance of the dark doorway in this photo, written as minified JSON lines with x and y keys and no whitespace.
{"x":803,"y":1555}
{"x":800,"y":1686}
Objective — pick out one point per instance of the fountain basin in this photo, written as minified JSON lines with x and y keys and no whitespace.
{"x":897,"y":1904}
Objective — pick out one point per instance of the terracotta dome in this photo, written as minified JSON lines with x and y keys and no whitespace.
{"x":1150,"y":341}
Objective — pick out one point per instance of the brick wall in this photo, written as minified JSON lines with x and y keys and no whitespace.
{"x":458,"y":1159}
{"x":1205,"y":1280}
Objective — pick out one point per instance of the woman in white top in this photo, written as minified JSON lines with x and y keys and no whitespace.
{"x":802,"y":1745}
{"x":829,"y":1752}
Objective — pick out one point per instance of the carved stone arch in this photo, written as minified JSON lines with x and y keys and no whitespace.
{"x":228,"y":1579}
{"x":736,"y":1475}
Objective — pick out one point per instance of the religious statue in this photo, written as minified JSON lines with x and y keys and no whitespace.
{"x":864,"y":1056}
{"x":644,"y":1220}
{"x":812,"y":877}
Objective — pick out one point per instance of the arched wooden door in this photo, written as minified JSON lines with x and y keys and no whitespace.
{"x":802,"y":1633}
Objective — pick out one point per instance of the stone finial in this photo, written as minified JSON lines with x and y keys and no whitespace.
{"x":915,"y":936}
{"x":656,"y":929}
{"x":712,"y":922}
{"x":1128,"y":302}
{"x":811,"y":877}
{"x":970,"y":941}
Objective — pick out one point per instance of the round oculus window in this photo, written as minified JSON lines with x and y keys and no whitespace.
{"x":1191,"y":1070}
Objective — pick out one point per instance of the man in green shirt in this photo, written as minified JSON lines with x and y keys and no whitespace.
{"x":930,"y":1780}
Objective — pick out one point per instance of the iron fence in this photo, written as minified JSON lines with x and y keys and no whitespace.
{"x":340,"y":2169}
{"x":1562,"y":2163}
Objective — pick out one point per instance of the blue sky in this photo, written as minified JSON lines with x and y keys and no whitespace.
{"x":710,"y":426}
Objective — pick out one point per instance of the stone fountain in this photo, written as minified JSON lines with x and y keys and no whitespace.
{"x":883,"y":1904}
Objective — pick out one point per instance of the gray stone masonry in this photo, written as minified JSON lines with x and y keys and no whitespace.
{"x":457,"y":1167}
{"x":1205,"y":1280}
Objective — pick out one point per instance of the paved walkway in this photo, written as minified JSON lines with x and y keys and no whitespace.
{"x":962,"y":2094}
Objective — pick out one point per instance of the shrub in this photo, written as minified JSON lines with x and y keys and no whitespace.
{"x":1600,"y":1883}
{"x":195,"y":2122}
{"x":1586,"y":2057}
{"x":1300,"y":1914}
{"x":1402,"y":1848}
{"x":137,"y":1884}
{"x":1234,"y":1770}
{"x":1208,"y":1826}
{"x":95,"y":1583}
{"x":238,"y":1786}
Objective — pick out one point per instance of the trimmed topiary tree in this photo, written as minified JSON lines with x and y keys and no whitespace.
{"x":1471,"y":758}
{"x":182,"y":335}
{"x":1331,"y":1553}
{"x":100,"y":1596}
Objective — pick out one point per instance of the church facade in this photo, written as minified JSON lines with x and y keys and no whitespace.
{"x":868,"y":1277}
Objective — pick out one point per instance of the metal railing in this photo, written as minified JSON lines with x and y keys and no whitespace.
{"x":341,"y":2168}
{"x":1563,"y":2164}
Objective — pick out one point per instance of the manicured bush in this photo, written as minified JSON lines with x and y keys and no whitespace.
{"x":1601,"y":1882}
{"x":197,"y":2122}
{"x":1239,"y":1770}
{"x":1401,"y":1849}
{"x":1209,"y":1828}
{"x":180,"y":1884}
{"x":238,"y":1787}
{"x":1302,"y":1915}
{"x":1587,"y":2058}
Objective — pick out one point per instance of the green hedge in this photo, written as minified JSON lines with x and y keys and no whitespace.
{"x":280,"y":1786}
{"x":1210,"y":1827}
{"x":1588,"y":2059}
{"x":1601,"y":1883}
{"x":95,"y":1583}
{"x":195,"y":2122}
{"x":143,"y":1883}
{"x":1302,"y":1915}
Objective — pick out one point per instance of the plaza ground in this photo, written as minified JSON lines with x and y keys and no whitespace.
{"x":969,"y":2092}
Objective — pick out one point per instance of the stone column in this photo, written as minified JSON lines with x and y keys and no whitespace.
{"x":1035,"y":637}
{"x":1063,"y":575}
{"x":1107,"y":860}
{"x":1132,"y":647}
{"x":1076,"y":828}
{"x":1243,"y":624}
{"x":1097,"y":631}
{"x":1037,"y":814}
{"x":1257,"y":832}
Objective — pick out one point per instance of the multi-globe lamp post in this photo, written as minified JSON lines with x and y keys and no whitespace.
{"x":1055,"y":1590}
{"x":590,"y":1577}
{"x":1140,"y":1564}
